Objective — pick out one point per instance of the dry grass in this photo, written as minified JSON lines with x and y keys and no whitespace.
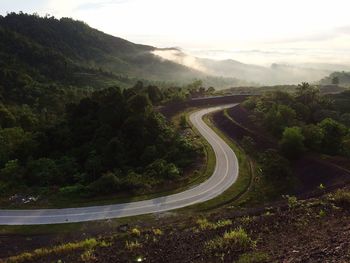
{"x":87,"y":244}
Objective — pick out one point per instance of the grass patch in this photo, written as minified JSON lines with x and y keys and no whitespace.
{"x":254,"y":257}
{"x":132,"y":245}
{"x":204,"y":224}
{"x":237,"y":240}
{"x":157,"y":231}
{"x":87,"y":244}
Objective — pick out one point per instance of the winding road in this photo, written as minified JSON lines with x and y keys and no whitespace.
{"x":224,"y":175}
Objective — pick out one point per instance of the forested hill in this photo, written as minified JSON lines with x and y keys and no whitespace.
{"x":70,"y":51}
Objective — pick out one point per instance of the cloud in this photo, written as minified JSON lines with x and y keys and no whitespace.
{"x":98,"y":4}
{"x":324,"y":35}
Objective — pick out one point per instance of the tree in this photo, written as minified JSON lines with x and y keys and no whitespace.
{"x":11,"y":172}
{"x":211,"y":90}
{"x":11,"y":142}
{"x":334,"y":133}
{"x":162,"y":169}
{"x":313,"y":136}
{"x":7,"y":120}
{"x":107,"y":183}
{"x":279,"y":117}
{"x":154,"y":94}
{"x":139,"y":103}
{"x":335,"y":80}
{"x":307,"y":94}
{"x":248,"y":144}
{"x":292,"y":142}
{"x":42,"y":172}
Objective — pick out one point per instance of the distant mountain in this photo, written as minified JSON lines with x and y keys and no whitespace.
{"x":276,"y":74}
{"x":70,"y":51}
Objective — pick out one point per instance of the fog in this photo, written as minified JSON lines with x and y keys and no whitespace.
{"x":275,"y":67}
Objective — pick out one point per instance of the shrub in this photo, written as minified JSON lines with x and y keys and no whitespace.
{"x":107,"y":183}
{"x":157,"y":231}
{"x":135,"y":232}
{"x":292,"y":142}
{"x":235,"y":239}
{"x":274,"y":166}
{"x":292,"y":201}
{"x":162,"y":169}
{"x":183,"y":122}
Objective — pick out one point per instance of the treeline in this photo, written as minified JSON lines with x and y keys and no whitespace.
{"x":108,"y":141}
{"x":303,"y":121}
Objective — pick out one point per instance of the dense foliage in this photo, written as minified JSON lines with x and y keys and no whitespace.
{"x":108,"y":141}
{"x":304,"y":120}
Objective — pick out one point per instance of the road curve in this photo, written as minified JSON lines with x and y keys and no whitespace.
{"x":224,"y":175}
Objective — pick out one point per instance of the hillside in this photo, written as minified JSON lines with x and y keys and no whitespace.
{"x":70,"y":51}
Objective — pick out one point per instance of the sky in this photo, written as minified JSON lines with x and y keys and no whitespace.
{"x":251,"y":31}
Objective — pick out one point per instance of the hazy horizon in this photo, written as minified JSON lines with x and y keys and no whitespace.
{"x":254,"y":32}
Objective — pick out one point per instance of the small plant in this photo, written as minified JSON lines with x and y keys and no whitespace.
{"x":292,"y":201}
{"x":88,"y":256}
{"x":254,"y":257}
{"x":322,"y":213}
{"x":157,"y":231}
{"x":223,"y":223}
{"x":246,"y":220}
{"x":135,"y":232}
{"x":204,"y":224}
{"x":237,"y":239}
{"x":132,"y":245}
{"x":321,"y":187}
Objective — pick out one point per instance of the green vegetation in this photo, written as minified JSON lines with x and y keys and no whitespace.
{"x":204,"y":224}
{"x":109,"y":141}
{"x":237,"y":240}
{"x":132,"y":245}
{"x":305,"y":118}
{"x":292,"y":142}
{"x":86,"y":244}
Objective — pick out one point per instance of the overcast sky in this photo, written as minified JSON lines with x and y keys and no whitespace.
{"x":254,"y":31}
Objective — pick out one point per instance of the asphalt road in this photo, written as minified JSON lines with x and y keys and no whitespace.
{"x":224,"y":175}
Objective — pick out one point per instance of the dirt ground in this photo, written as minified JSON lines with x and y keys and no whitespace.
{"x":316,"y":230}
